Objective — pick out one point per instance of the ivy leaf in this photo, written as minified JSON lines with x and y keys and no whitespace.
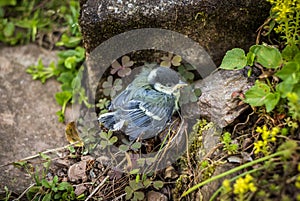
{"x":257,"y":94}
{"x":234,"y":59}
{"x":269,"y":57}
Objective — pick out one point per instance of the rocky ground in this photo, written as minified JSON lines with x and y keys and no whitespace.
{"x":28,"y":123}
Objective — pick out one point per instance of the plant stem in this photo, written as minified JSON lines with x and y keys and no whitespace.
{"x":233,"y":171}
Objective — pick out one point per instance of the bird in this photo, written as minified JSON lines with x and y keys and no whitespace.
{"x":144,"y":108}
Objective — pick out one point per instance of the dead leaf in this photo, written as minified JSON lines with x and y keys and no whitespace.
{"x":72,"y":135}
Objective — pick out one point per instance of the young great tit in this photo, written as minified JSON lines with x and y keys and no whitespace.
{"x":143,"y":109}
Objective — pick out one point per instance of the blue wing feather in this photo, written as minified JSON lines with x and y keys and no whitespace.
{"x":145,"y":111}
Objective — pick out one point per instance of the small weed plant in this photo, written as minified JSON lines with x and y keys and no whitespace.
{"x":275,"y":99}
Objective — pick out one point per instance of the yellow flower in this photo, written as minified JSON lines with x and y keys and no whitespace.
{"x":257,"y":146}
{"x":259,"y":130}
{"x":265,"y":128}
{"x":248,"y":178}
{"x":226,"y":185}
{"x":252,"y":187}
{"x":265,"y":135}
{"x":243,"y":185}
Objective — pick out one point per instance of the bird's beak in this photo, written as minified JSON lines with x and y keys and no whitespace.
{"x":180,"y":85}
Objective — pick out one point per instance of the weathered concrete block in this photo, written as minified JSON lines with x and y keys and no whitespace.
{"x":218,"y":25}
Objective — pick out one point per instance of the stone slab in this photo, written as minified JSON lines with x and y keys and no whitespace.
{"x":28,"y":123}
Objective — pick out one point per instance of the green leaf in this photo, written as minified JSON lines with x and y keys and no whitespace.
{"x":234,"y":59}
{"x":20,"y":163}
{"x":269,"y":57}
{"x":31,"y":193}
{"x":135,"y":171}
{"x":250,"y":58}
{"x":55,"y":179}
{"x":103,"y":135}
{"x":69,"y":41}
{"x":129,"y":192}
{"x":288,"y":71}
{"x":139,"y":195}
{"x":60,"y":115}
{"x":272,"y":100}
{"x":136,"y":145}
{"x":63,"y":97}
{"x":46,"y":184}
{"x":47,"y":197}
{"x":66,"y":78}
{"x":158,"y":184}
{"x":109,"y":134}
{"x":64,"y":186}
{"x":57,"y":196}
{"x":256,"y":95}
{"x":103,"y":144}
{"x":254,"y":49}
{"x":70,"y":62}
{"x":284,"y":88}
{"x":8,"y":2}
{"x":9,"y":29}
{"x":147,"y":183}
{"x":135,"y":186}
{"x":289,"y":52}
{"x":113,"y":139}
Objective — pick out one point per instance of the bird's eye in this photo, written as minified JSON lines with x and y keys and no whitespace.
{"x":168,"y":85}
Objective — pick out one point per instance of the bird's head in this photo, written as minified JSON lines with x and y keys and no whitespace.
{"x":165,"y":80}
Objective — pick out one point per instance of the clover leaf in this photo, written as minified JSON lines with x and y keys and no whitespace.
{"x":184,"y":72}
{"x":171,"y":59}
{"x":111,"y":87}
{"x":124,"y":69}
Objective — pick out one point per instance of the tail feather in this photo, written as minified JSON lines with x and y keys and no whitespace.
{"x":108,"y":119}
